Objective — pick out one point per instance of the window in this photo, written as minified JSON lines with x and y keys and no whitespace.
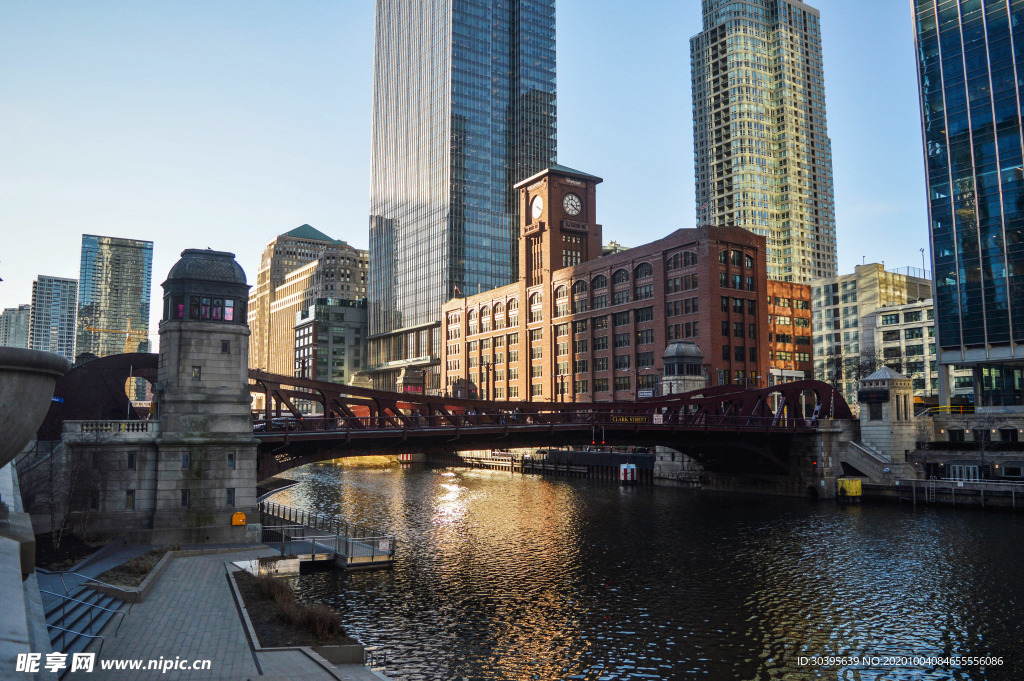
{"x":725,"y":353}
{"x":535,"y":335}
{"x":231,"y":459}
{"x":910,"y":317}
{"x":561,"y":330}
{"x":620,"y":297}
{"x":579,"y":366}
{"x":645,"y":359}
{"x":643,"y":270}
{"x":736,"y":258}
{"x":622,"y":362}
{"x":737,"y":329}
{"x":131,"y":461}
{"x":737,"y":305}
{"x":599,"y":282}
{"x":913,"y":333}
{"x":225,"y":347}
{"x":537,"y":352}
{"x":751,"y":330}
{"x":645,"y":337}
{"x":888,"y":319}
{"x":600,"y":322}
{"x":875,"y":412}
{"x":620,"y":318}
{"x":536,"y":371}
{"x":748,"y":262}
{"x":536,"y":389}
{"x":622,"y":340}
{"x":536,"y":314}
{"x":753,"y":354}
{"x":723,"y":257}
{"x":643,"y":292}
{"x":600,"y":364}
{"x":580,"y":346}
{"x":562,"y":348}
{"x":751,"y":307}
{"x":581,"y":387}
{"x":725,"y":303}
{"x":600,"y":301}
{"x":230,"y":496}
{"x":185,"y":459}
{"x":620,"y":277}
{"x":645,"y":314}
{"x":600,"y":343}
{"x":600,"y":385}
{"x":725,"y":329}
{"x":185,"y":498}
{"x":739,"y":353}
{"x":197,"y":373}
{"x":737,"y":281}
{"x":129,"y":500}
{"x":623,"y":382}
{"x":579,"y":287}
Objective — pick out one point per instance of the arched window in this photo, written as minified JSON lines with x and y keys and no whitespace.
{"x":561,"y":301}
{"x":499,"y":316}
{"x":513,"y":312}
{"x":485,"y":319}
{"x":620,"y":277}
{"x":471,"y":318}
{"x":723,"y":257}
{"x":579,"y":287}
{"x":643,"y":270}
{"x":536,"y":314}
{"x":675,"y":262}
{"x":599,"y":282}
{"x":749,"y":262}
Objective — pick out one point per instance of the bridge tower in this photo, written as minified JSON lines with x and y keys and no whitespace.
{"x":206,"y":460}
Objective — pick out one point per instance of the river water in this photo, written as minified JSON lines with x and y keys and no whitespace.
{"x":505,"y":576}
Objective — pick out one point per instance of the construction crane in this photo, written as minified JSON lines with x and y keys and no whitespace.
{"x":129,"y":334}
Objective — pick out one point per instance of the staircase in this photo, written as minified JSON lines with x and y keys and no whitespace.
{"x":75,"y":614}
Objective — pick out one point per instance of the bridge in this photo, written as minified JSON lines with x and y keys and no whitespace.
{"x":726,"y":428}
{"x":777,"y":431}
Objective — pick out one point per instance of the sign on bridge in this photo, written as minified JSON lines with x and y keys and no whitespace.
{"x":638,"y":418}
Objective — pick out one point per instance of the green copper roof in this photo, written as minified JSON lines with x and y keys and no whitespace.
{"x":312,"y":234}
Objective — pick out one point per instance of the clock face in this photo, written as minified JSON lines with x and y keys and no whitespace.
{"x":536,"y":207}
{"x":572,"y":204}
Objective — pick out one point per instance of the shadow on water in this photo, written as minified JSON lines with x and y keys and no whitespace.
{"x":502,"y":576}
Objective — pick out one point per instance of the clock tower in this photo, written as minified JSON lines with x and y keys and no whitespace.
{"x":558,"y":227}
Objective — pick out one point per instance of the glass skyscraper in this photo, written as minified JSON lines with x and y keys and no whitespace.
{"x":970,"y":75}
{"x":113,"y":296}
{"x":51,"y":324}
{"x":762,"y":155}
{"x":463,"y":108}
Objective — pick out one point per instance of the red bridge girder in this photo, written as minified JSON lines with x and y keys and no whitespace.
{"x":801,"y":404}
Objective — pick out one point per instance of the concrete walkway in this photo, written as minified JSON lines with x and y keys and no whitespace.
{"x":191,"y":615}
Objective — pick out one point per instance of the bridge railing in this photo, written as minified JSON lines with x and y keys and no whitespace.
{"x":286,"y":524}
{"x":419,"y":422}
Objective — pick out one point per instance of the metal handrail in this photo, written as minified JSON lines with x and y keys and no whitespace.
{"x":90,"y":579}
{"x":79,"y":633}
{"x":91,"y":606}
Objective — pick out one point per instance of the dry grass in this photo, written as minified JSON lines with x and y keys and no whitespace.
{"x":135,"y":570}
{"x":296,"y":623}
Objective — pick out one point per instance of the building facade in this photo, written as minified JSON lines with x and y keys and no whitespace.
{"x":762,"y":154}
{"x":296,"y":269}
{"x":581,"y":327}
{"x":968,"y":71}
{"x":52,"y":315}
{"x":905,"y":342}
{"x":329,"y":338}
{"x":843,"y":317}
{"x":114,"y":289}
{"x":463,"y":108}
{"x":789,"y":332}
{"x":14,"y":326}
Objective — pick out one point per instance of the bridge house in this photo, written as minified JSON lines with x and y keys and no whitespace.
{"x":579,"y":326}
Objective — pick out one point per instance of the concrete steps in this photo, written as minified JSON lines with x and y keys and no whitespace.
{"x":74,"y":618}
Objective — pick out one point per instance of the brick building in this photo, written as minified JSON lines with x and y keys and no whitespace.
{"x":577,"y":326}
{"x":789,"y":333}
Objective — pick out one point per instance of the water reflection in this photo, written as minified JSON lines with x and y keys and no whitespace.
{"x":501,"y":576}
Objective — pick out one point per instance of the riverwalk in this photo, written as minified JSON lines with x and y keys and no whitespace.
{"x":191,"y":615}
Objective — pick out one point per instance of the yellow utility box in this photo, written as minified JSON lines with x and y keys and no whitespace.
{"x":848,"y":490}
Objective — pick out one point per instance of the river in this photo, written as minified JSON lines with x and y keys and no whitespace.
{"x":505,"y":576}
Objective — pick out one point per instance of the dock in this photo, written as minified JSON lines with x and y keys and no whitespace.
{"x":315,"y":538}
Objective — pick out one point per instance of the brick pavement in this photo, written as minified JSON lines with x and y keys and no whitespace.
{"x":191,"y":614}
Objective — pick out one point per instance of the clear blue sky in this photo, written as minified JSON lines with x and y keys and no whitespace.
{"x":222,"y":124}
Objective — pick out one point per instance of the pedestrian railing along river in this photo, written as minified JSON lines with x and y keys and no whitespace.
{"x":322,"y":536}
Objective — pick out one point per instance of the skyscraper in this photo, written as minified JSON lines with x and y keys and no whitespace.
{"x":52,"y":317}
{"x":113,"y":296}
{"x":14,"y":327}
{"x":463,"y":108}
{"x":762,"y":155}
{"x":298,"y":268}
{"x":969,"y":71}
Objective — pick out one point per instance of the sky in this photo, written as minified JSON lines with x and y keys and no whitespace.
{"x":222,"y":124}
